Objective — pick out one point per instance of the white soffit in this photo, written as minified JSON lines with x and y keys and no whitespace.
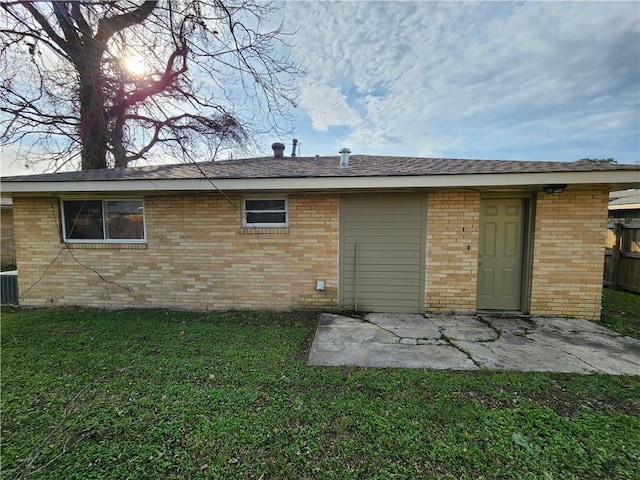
{"x":617,"y":178}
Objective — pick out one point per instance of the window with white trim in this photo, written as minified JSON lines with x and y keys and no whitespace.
{"x":94,"y":221}
{"x":265,"y":212}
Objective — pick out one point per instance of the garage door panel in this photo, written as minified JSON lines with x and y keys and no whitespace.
{"x":397,"y":218}
{"x":399,"y":283}
{"x":393,"y":276}
{"x":393,"y":306}
{"x":409,"y":271}
{"x":381,"y":248}
{"x":387,"y":232}
{"x":370,"y":260}
{"x":367,"y":293}
{"x":381,"y":201}
{"x":398,"y":291}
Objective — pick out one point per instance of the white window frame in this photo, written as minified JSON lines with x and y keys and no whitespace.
{"x":246,"y":224}
{"x":104,"y":225}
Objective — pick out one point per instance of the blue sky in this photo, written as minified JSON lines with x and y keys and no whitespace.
{"x":502,"y":80}
{"x":508,"y":80}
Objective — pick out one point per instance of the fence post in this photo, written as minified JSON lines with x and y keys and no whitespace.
{"x":615,"y":255}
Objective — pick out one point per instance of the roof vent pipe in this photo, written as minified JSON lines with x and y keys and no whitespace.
{"x":278,"y":150}
{"x":295,"y":144}
{"x":344,"y":157}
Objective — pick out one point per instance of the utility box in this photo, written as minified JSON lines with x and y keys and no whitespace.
{"x":9,"y":288}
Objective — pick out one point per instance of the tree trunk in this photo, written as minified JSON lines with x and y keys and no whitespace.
{"x":93,"y":119}
{"x":117,"y":144}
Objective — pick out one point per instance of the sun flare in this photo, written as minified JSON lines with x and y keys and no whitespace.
{"x":134,"y":65}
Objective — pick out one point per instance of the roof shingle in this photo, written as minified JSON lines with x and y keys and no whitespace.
{"x":301,"y":167}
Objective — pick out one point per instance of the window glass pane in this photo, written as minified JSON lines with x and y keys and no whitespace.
{"x":83,"y":219}
{"x":265,"y":212}
{"x":124,"y":219}
{"x":278,"y":205}
{"x":259,"y":218}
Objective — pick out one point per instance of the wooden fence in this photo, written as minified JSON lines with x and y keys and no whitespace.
{"x":622,"y":256}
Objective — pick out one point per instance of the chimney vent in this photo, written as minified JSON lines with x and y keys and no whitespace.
{"x":278,"y":150}
{"x":295,"y":144}
{"x":344,"y":157}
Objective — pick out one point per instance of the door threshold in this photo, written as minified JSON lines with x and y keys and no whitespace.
{"x":506,"y":313}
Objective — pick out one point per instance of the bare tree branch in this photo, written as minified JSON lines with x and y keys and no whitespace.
{"x":83,"y":26}
{"x":44,"y":24}
{"x":214,"y":78}
{"x":107,"y":26}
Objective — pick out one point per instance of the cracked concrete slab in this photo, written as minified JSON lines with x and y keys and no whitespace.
{"x":572,"y":325}
{"x":464,"y":327}
{"x":515,"y":325}
{"x":405,"y":326}
{"x":514,"y":352}
{"x":471,"y":342}
{"x":335,"y":328}
{"x":389,"y":355}
{"x":603,"y":353}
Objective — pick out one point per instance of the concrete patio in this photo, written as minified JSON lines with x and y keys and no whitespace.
{"x":473,"y":342}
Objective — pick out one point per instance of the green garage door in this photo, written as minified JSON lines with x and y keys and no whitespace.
{"x":382,"y":252}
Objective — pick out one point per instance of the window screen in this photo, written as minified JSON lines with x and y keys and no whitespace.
{"x":267,"y":212}
{"x":83,"y":219}
{"x":95,"y":220}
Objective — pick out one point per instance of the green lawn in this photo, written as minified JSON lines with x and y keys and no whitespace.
{"x":621,"y":312}
{"x":89,"y":394}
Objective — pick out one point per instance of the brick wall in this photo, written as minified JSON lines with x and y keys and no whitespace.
{"x":197,"y":256}
{"x":452,"y":251}
{"x":568,"y":255}
{"x":7,"y":248}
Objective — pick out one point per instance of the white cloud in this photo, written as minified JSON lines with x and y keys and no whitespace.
{"x":30,"y":160}
{"x":523,"y":80}
{"x":327,"y":107}
{"x":9,"y":165}
{"x":534,"y":79}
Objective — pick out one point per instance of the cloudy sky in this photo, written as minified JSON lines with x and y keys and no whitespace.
{"x":510,"y":80}
{"x":546,"y":80}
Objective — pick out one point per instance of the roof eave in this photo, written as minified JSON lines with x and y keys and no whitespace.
{"x":626,"y":206}
{"x":613,"y":179}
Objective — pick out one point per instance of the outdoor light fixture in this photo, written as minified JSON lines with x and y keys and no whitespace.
{"x":554,"y":189}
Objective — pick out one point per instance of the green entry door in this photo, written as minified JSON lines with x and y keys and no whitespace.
{"x":382,"y":252}
{"x":500,"y":257}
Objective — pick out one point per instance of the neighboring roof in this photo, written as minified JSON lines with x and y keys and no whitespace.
{"x":364,"y":171}
{"x":624,"y":199}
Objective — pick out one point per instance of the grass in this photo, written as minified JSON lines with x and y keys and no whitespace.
{"x":621,"y":312}
{"x":90,"y":394}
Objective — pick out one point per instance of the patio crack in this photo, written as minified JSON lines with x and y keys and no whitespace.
{"x":446,"y":340}
{"x":459,"y":348}
{"x":411,"y":341}
{"x":577,"y":358}
{"x":366,"y":320}
{"x":495,"y":329}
